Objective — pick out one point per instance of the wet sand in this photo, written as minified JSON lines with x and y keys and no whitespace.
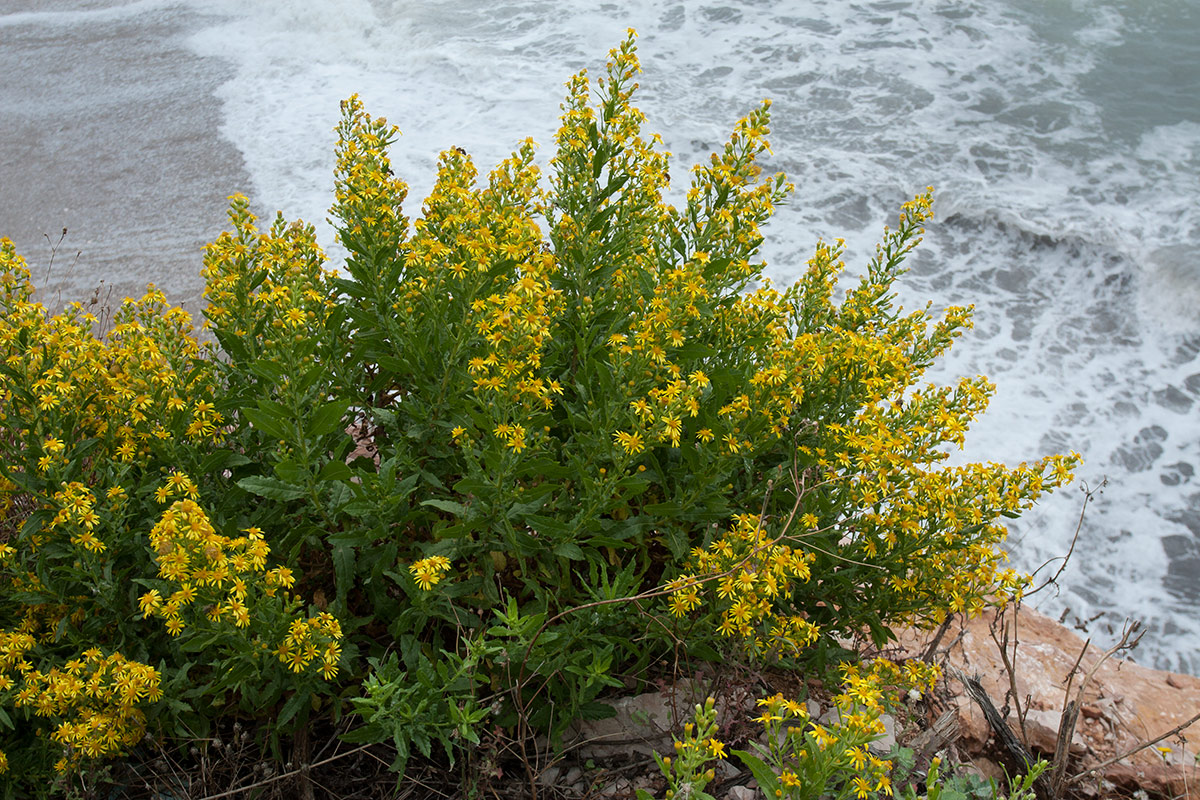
{"x":109,"y":128}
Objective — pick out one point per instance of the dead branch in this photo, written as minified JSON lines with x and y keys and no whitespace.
{"x":927,"y":656}
{"x":1004,"y":735}
{"x":1088,"y":496}
{"x":1010,"y":664}
{"x":1128,"y":753}
{"x":1070,"y":716}
{"x":944,"y":730}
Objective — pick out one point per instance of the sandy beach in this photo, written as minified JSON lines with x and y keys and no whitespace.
{"x":138,"y":174}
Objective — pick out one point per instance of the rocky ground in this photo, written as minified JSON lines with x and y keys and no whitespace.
{"x":1029,"y":667}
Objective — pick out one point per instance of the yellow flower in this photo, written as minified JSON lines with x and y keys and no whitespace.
{"x":673,"y":427}
{"x":631,"y":443}
{"x":150,"y":602}
{"x":428,"y":571}
{"x":295,"y":660}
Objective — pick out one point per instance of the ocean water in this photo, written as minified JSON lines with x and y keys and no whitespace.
{"x":1062,"y":136}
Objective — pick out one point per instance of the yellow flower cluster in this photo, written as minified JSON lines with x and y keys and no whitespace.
{"x":866,"y":686}
{"x":429,"y":571}
{"x":834,"y":751}
{"x":210,"y":569}
{"x":225,"y":576}
{"x":486,"y":245}
{"x":77,"y":513}
{"x":39,"y":621}
{"x":475,"y":262}
{"x":368,"y":196}
{"x":269,"y":290}
{"x":96,"y":697}
{"x":686,"y":773}
{"x":316,"y":641}
{"x":755,"y":572}
{"x":14,"y":647}
{"x":127,"y":390}
{"x":801,"y":749}
{"x":668,"y":294}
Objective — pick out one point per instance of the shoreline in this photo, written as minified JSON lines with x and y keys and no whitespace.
{"x":138,"y":176}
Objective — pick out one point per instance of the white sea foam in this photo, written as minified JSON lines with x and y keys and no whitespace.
{"x":83,"y":16}
{"x":1076,"y":240}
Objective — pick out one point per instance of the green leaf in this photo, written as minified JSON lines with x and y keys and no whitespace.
{"x":449,"y":506}
{"x":271,"y":488}
{"x":704,"y":652}
{"x":678,"y":543}
{"x":222,"y":459}
{"x":81,"y":449}
{"x":768,"y":782}
{"x":290,"y":471}
{"x":535,"y":499}
{"x":24,"y":480}
{"x":596,"y":710}
{"x":268,"y":370}
{"x":613,"y":185}
{"x":328,"y":418}
{"x":569,"y":550}
{"x":367,"y":734}
{"x":290,"y":708}
{"x":343,"y":573}
{"x":600,"y":220}
{"x":271,"y":423}
{"x":671,"y":509}
{"x":334,"y":471}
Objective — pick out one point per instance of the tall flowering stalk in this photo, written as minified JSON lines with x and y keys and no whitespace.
{"x":509,"y":416}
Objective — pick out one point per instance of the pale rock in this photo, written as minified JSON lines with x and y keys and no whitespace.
{"x":886,"y":742}
{"x":549,"y":776}
{"x":621,"y":787}
{"x":1125,"y":704}
{"x":643,"y":724}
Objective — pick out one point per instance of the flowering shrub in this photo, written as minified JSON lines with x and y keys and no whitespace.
{"x":95,"y":433}
{"x":605,"y":397}
{"x":507,"y":421}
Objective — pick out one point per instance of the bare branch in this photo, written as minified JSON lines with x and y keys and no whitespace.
{"x":1127,"y":754}
{"x":1088,"y":496}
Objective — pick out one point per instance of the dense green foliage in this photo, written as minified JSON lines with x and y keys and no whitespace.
{"x":521,"y":446}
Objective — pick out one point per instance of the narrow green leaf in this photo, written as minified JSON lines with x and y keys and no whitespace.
{"x":343,"y":573}
{"x":271,"y":488}
{"x":768,"y":781}
{"x":334,"y":471}
{"x":449,"y":506}
{"x":268,"y":370}
{"x":290,"y":708}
